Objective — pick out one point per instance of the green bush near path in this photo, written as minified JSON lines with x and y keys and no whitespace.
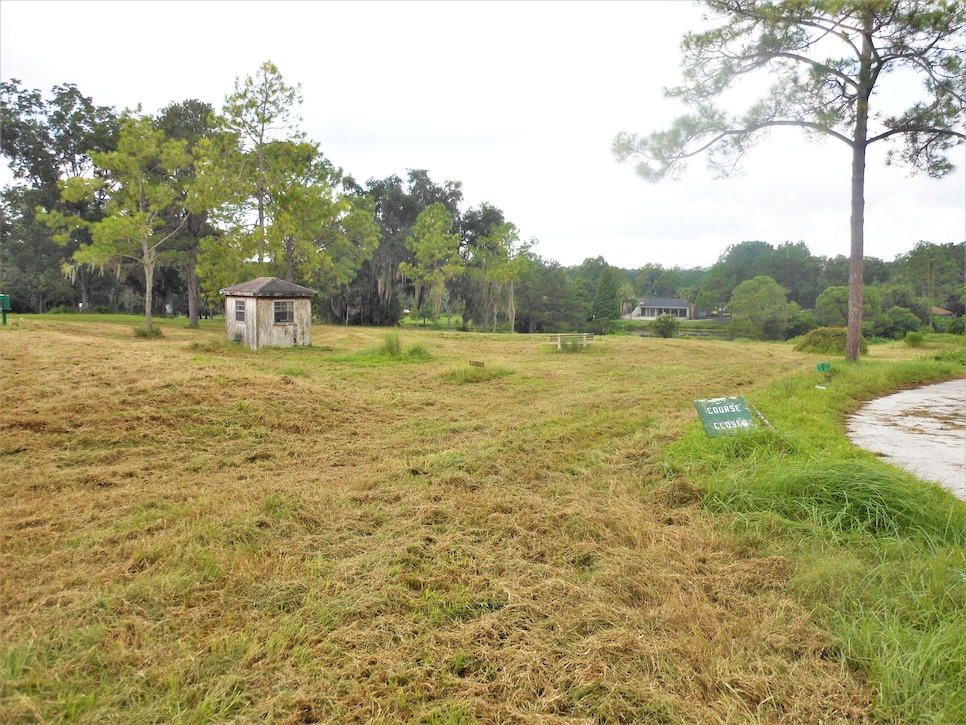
{"x":878,"y":555}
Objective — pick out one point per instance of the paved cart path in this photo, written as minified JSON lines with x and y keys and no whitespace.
{"x":921,"y":430}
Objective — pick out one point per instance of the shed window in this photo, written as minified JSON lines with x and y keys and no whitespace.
{"x":239,"y":310}
{"x":284,"y":312}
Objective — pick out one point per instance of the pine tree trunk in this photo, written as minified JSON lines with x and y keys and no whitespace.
{"x":857,"y":219}
{"x":85,"y":285}
{"x":148,"y":289}
{"x":193,"y":287}
{"x":511,"y":309}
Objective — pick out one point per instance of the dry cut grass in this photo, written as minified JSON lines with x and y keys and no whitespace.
{"x":192,"y":532}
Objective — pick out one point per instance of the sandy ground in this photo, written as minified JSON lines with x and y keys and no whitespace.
{"x":922,"y":430}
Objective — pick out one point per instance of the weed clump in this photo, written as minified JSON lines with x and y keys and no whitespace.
{"x":392,"y":348}
{"x":464,"y":376}
{"x":391,"y":344}
{"x":150,"y":333}
{"x":952,"y":354}
{"x":828,"y":341}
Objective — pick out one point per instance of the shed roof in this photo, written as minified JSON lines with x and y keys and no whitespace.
{"x":267,"y":287}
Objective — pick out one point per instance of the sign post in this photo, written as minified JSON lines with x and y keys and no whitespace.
{"x":725,"y":416}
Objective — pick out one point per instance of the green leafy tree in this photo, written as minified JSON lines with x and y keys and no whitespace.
{"x":350,"y":243}
{"x":513,"y":259}
{"x":547,"y":299}
{"x":935,"y":271}
{"x":715,"y":290}
{"x":587,"y":275}
{"x":832,"y":306}
{"x":475,"y":286}
{"x":376,"y":294}
{"x":628,"y":299}
{"x":260,"y":111}
{"x":820,"y":93}
{"x":143,"y":190}
{"x":436,"y":251}
{"x":760,"y":308}
{"x":203,"y":187}
{"x":896,"y":322}
{"x":668,"y":284}
{"x":303,"y":207}
{"x":794,"y":268}
{"x":607,"y":304}
{"x":645,"y":278}
{"x":47,"y":141}
{"x":498,"y":262}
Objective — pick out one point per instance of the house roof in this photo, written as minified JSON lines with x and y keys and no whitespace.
{"x":663,"y":302}
{"x":267,"y":287}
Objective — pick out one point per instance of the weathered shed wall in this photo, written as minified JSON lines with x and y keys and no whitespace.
{"x":241,"y":330}
{"x":292,"y":334}
{"x":259,"y":329}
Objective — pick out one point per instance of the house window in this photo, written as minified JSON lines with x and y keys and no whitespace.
{"x":284,"y":312}
{"x":239,"y":310}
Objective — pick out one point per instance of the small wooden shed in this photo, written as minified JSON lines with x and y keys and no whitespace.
{"x":268,"y":311}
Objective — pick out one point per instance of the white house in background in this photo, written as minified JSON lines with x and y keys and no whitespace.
{"x":268,"y":311}
{"x":653,"y":307}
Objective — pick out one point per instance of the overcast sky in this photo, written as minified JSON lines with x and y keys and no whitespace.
{"x":519,"y":101}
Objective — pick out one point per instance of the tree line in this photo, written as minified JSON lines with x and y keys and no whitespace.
{"x":110,"y":207}
{"x":115,"y":211}
{"x":763,"y":291}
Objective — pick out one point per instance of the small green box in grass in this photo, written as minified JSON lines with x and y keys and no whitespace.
{"x":725,"y":416}
{"x":824,"y":367}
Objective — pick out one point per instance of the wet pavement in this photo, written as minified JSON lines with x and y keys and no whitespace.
{"x":921,"y":430}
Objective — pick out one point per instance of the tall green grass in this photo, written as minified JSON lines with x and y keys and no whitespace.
{"x":843,"y":500}
{"x":876,"y":554}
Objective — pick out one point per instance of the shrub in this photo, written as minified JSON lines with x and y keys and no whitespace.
{"x":913,"y":339}
{"x":665,"y":325}
{"x":828,"y":340}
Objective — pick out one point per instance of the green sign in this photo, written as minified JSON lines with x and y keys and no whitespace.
{"x":725,"y":416}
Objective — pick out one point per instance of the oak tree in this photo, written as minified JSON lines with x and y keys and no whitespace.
{"x":760,"y":308}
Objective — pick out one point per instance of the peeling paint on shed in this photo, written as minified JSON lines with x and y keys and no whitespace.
{"x":268,"y":311}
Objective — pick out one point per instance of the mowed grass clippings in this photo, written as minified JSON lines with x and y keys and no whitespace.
{"x":194,"y":532}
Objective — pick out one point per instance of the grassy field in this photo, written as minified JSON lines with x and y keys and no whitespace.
{"x":193,"y":532}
